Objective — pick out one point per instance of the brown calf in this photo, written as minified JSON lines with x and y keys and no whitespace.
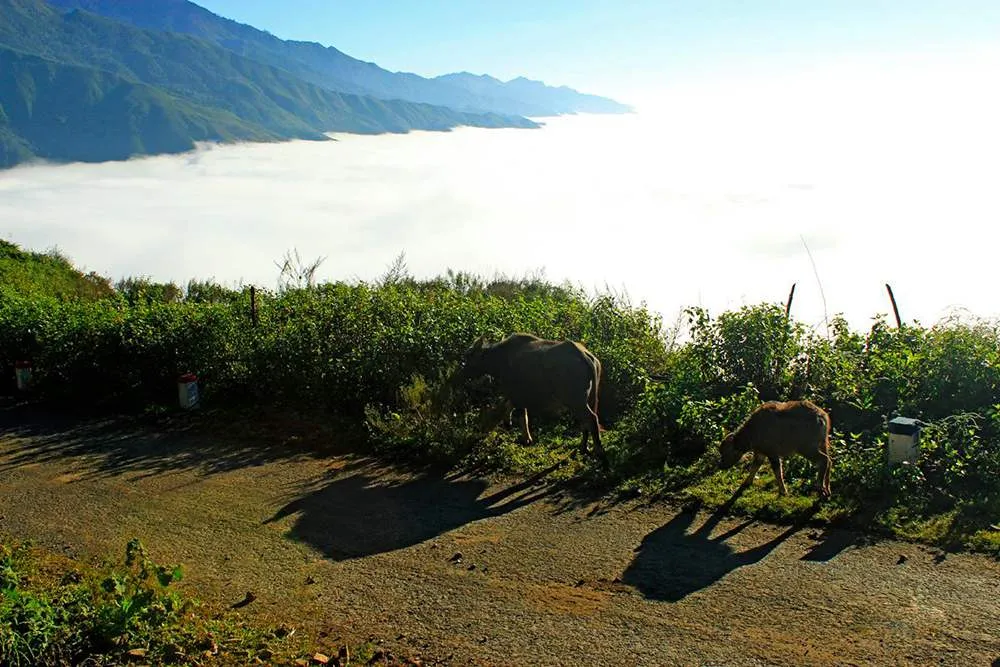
{"x":776,"y":430}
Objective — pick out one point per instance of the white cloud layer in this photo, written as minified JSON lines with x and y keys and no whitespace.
{"x":704,"y":201}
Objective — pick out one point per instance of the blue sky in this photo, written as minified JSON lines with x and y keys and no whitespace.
{"x":619,"y":47}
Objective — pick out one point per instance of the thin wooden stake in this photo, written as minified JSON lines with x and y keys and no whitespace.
{"x":822,"y":294}
{"x":788,"y":306}
{"x":895,"y":309}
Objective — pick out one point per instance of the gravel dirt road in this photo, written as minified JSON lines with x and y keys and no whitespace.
{"x":466,"y":570}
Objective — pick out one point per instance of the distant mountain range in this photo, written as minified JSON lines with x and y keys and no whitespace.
{"x":331,"y":69}
{"x":95,"y":80}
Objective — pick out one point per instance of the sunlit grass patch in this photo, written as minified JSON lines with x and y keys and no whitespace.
{"x":506,"y":453}
{"x":987,"y":540}
{"x":759,"y":500}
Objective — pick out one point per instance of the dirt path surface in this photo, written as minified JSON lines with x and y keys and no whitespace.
{"x":461,"y":570}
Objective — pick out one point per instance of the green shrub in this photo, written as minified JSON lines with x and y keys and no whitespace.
{"x":753,"y":346}
{"x":426,"y":426}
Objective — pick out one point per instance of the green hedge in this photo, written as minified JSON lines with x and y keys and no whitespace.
{"x":337,"y":346}
{"x":382,"y":353}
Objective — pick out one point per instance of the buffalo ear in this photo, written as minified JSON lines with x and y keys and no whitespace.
{"x":476,"y":347}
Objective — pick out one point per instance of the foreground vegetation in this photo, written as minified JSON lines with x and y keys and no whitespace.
{"x":381,"y":354}
{"x":57,"y":611}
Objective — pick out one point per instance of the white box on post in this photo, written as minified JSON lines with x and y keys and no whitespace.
{"x":904,"y":440}
{"x":187,"y":391}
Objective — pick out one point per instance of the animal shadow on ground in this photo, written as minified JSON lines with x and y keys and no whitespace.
{"x":836,"y":539}
{"x":672,"y":562}
{"x":369,"y":510}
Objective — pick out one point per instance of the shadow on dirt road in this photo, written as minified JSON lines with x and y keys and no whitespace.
{"x":361,"y":513}
{"x":673,"y":561}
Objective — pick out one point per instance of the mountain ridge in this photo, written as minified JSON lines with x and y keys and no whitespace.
{"x":328,"y":67}
{"x":192,"y":85}
{"x":37,"y":126}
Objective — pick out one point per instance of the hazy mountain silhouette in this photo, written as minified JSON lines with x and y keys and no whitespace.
{"x":546,"y":100}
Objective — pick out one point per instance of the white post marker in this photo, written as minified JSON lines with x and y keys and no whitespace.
{"x":187,"y":391}
{"x":904,"y":440}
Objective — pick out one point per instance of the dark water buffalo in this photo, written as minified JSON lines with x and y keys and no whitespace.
{"x":537,"y":375}
{"x":776,"y":430}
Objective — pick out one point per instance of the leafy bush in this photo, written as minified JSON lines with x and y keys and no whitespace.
{"x":335,"y":346}
{"x":423,"y":428}
{"x":753,"y":346}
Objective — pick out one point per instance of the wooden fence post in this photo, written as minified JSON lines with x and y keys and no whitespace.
{"x":895,"y":309}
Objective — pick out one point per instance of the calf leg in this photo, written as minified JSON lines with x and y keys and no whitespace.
{"x":823,"y":464}
{"x":758,"y":461}
{"x":826,"y":476}
{"x":828,"y":466}
{"x":779,"y":474}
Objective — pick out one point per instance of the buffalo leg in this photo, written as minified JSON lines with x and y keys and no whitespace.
{"x":592,"y":426}
{"x":525,"y":431}
{"x":496,"y":415}
{"x":583,"y":441}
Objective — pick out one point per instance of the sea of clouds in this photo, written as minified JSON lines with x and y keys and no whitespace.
{"x":712,"y":195}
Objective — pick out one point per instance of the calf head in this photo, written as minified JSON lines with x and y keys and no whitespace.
{"x":729,"y":452}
